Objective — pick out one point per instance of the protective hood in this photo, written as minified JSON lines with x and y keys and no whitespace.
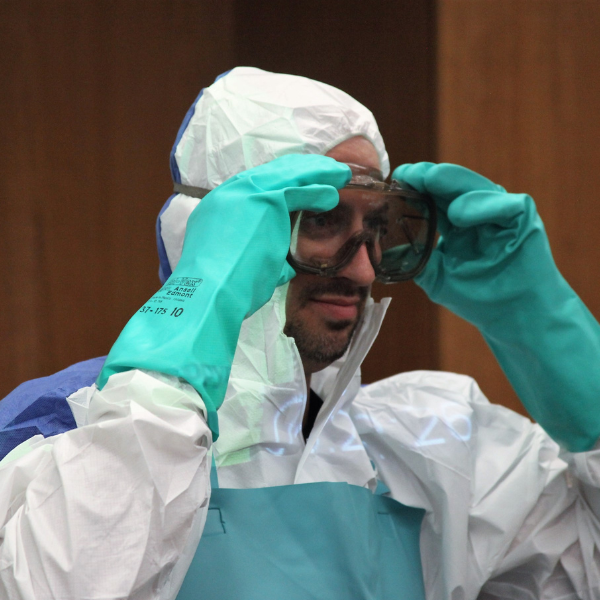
{"x":246,"y":118}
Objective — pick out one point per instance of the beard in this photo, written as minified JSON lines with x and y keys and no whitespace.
{"x":330,"y":340}
{"x":322,"y":346}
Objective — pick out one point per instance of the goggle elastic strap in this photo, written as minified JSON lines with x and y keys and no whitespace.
{"x":190,"y":190}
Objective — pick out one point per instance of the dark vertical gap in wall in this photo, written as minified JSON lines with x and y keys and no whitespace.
{"x":383,"y":54}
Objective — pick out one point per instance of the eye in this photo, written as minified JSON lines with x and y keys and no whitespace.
{"x":318,"y":221}
{"x":312,"y":221}
{"x":378,"y":224}
{"x":320,"y":225}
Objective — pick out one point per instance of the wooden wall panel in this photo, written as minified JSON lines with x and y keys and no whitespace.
{"x":519,"y":101}
{"x":92,"y":97}
{"x":384,"y":56}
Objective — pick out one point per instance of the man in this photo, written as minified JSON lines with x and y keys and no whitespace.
{"x":227,"y":351}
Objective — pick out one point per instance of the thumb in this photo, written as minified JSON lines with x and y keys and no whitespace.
{"x":317,"y":198}
{"x":287,"y":273}
{"x":431,"y":279}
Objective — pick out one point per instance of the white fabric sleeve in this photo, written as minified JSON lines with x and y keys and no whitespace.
{"x":555,"y":553}
{"x":113,"y":509}
{"x":509,"y":515}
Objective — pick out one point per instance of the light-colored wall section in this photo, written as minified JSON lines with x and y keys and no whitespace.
{"x":519,"y":101}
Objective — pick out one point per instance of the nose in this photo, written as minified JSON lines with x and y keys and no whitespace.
{"x":359,"y":269}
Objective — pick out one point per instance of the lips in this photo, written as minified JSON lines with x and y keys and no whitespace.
{"x":337,"y":307}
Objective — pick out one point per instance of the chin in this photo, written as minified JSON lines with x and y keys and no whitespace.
{"x":341,"y":325}
{"x":322,"y":344}
{"x":321,"y":338}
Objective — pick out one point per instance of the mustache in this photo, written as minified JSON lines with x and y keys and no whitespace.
{"x":338,"y":286}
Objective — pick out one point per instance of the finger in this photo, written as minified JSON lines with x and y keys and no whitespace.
{"x":413,"y":174}
{"x":431,"y":279}
{"x":444,"y":226}
{"x":479,"y":208}
{"x":311,"y":197}
{"x":287,"y":273}
{"x":296,"y":170}
{"x":447,"y":181}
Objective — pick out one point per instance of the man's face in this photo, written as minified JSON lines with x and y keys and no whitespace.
{"x":323,"y":312}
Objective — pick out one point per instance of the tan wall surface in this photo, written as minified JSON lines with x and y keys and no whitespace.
{"x":519,"y":101}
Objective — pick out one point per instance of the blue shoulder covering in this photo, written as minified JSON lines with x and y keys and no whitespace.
{"x":40,"y":405}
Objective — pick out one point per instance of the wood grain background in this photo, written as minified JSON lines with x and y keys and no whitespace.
{"x":93,"y":94}
{"x":519,"y":101}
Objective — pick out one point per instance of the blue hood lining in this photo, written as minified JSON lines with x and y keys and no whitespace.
{"x":164,"y":269}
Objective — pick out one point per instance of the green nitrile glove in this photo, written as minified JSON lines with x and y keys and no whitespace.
{"x":234,"y":255}
{"x":493,"y":267}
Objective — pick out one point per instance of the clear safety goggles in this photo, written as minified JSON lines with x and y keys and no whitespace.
{"x":395,"y":223}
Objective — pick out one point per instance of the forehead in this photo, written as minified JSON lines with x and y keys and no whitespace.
{"x":356,"y":150}
{"x":357,"y":203}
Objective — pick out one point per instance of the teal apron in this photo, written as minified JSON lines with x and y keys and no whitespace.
{"x":329,"y":541}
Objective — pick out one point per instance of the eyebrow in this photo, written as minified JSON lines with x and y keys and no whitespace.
{"x":346,"y":209}
{"x":385,"y":208}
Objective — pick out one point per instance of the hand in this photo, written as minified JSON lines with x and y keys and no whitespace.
{"x":493,"y":267}
{"x":242,"y":227}
{"x":234,"y":255}
{"x":493,"y":251}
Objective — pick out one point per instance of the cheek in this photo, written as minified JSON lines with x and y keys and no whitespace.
{"x":294,"y":295}
{"x":299,"y":291}
{"x":291,"y":299}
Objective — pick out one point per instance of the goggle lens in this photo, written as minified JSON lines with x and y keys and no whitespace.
{"x":396,"y":224}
